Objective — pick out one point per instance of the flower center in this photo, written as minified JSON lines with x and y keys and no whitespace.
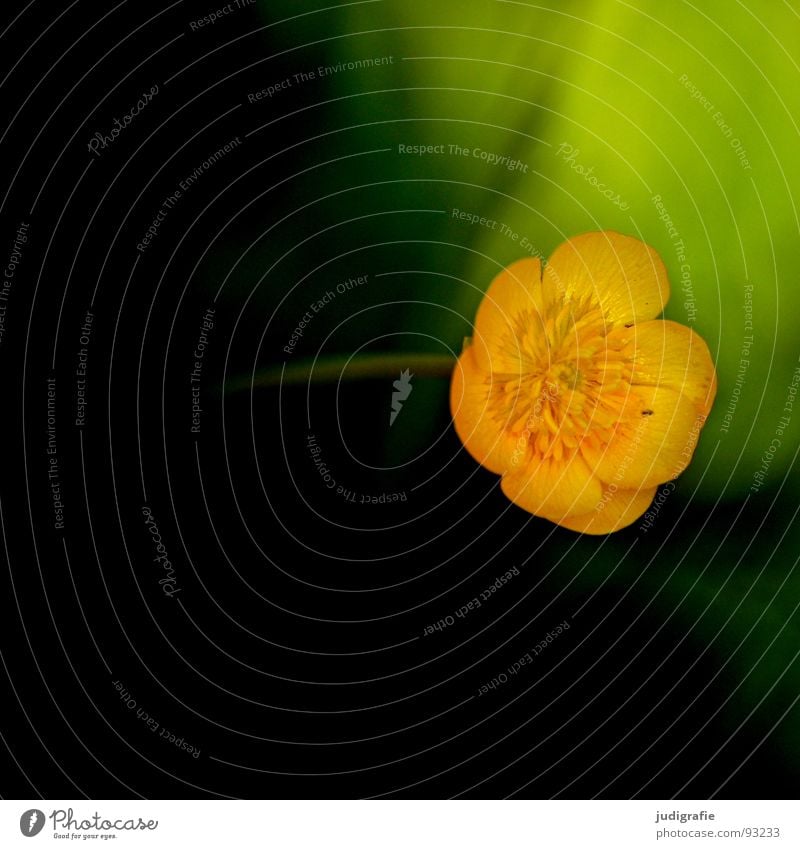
{"x":563,"y":376}
{"x":573,"y":379}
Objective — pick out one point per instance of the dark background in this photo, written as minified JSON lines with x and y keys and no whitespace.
{"x":294,"y":652}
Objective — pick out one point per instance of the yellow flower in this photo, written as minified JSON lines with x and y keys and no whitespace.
{"x":573,"y":393}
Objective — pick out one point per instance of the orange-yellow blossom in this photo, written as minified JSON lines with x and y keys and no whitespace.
{"x":573,"y":392}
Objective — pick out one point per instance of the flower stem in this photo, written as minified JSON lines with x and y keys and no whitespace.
{"x":333,"y":369}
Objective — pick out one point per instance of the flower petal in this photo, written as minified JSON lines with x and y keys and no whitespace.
{"x":483,"y":433}
{"x":554,"y":489}
{"x":624,"y":276}
{"x":668,"y":354}
{"x":620,"y":508}
{"x":512,"y":305}
{"x":652,"y":442}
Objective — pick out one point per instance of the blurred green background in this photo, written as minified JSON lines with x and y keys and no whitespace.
{"x":686,"y":116}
